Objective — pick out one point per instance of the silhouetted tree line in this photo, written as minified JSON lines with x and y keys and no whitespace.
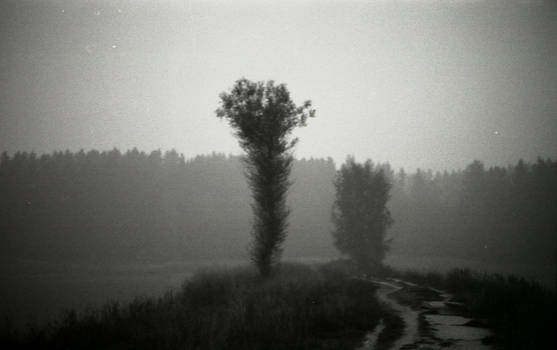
{"x":133,"y":206}
{"x":497,"y":214}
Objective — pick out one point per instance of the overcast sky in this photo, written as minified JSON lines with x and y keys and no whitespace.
{"x":430,"y":84}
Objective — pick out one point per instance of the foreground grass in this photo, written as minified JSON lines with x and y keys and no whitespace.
{"x":522,"y":313}
{"x":299,"y":308}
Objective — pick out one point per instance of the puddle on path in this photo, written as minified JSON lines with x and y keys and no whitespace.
{"x":371,"y":338}
{"x":447,"y":328}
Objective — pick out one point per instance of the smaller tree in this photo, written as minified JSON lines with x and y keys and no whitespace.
{"x":360,"y":213}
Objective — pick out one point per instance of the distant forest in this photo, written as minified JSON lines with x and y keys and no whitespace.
{"x":137,"y":207}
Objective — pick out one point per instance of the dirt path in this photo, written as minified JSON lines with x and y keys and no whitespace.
{"x":432,"y":319}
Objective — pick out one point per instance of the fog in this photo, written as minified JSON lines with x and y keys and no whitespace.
{"x":430,"y":84}
{"x":81,"y":228}
{"x":117,"y":180}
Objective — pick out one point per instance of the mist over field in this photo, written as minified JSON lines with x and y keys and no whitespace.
{"x":90,"y":224}
{"x":133,"y":207}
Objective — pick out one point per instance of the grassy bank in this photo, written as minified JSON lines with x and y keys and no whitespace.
{"x":521,"y":312}
{"x":299,"y":308}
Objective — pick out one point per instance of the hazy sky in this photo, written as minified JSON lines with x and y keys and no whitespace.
{"x":431,"y":84}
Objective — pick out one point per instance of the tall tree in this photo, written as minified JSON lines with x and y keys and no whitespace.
{"x":360,"y":213}
{"x":263,"y":116}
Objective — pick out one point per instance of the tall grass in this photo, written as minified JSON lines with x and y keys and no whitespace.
{"x":521,"y":312}
{"x":299,"y":308}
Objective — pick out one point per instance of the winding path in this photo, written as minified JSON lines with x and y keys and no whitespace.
{"x":446,"y":328}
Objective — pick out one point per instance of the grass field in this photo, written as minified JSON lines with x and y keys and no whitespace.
{"x":299,"y":308}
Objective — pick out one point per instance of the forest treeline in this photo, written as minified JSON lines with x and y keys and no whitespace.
{"x":504,"y":215}
{"x":132,"y":207}
{"x":138,"y":207}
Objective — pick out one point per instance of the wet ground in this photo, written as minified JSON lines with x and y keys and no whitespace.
{"x":433,"y":319}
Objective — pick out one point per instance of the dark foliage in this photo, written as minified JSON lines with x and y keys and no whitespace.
{"x":263,"y":116}
{"x":360,"y":213}
{"x":299,"y":308}
{"x":521,"y":312}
